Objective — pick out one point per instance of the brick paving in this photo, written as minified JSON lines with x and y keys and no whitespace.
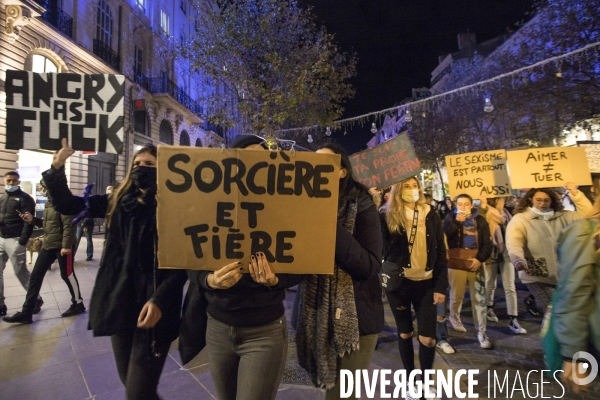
{"x":58,"y":358}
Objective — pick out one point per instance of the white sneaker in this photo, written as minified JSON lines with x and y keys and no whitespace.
{"x":446,"y":347}
{"x":456,"y":323}
{"x":432,"y":390}
{"x":516,"y":328}
{"x":491,"y":315}
{"x":484,"y":341}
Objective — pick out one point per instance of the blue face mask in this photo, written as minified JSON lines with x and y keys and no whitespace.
{"x":11,"y":188}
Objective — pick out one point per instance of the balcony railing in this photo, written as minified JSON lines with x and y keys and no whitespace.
{"x":107,"y":54}
{"x":142,"y":80}
{"x":167,"y":86}
{"x":55,"y":16}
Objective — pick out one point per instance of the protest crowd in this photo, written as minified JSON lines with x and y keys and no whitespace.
{"x":392,"y":243}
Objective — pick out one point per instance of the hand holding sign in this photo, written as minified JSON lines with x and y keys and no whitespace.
{"x":62,"y":155}
{"x":572,"y":188}
{"x":225,"y":277}
{"x":260,"y":270}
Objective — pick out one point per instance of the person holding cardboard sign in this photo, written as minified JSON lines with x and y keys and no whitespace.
{"x":413,"y":239}
{"x":246,"y":332}
{"x":342,"y":314}
{"x":498,"y":218}
{"x":532,"y":233}
{"x":133,"y":302}
{"x":466,"y":229}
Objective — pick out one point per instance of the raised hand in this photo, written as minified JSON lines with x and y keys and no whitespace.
{"x":61,"y":156}
{"x":572,"y":188}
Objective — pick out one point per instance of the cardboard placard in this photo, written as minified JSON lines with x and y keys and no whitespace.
{"x":474,"y":173}
{"x":87,"y":110}
{"x":388,"y":163}
{"x":218,"y":206}
{"x":548,"y":167}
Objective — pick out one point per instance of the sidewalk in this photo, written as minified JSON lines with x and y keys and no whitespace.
{"x":58,"y":358}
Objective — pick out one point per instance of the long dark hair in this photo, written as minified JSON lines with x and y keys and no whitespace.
{"x":527,"y":200}
{"x":127,"y":183}
{"x":349,"y":182}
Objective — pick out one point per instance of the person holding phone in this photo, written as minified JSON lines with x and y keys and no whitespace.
{"x":14,"y":234}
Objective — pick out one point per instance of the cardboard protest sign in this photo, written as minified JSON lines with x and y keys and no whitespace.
{"x":387,"y":163}
{"x":474,"y":173}
{"x":87,"y":110}
{"x":548,"y":167}
{"x":218,"y":206}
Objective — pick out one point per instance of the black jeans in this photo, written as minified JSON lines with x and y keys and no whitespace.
{"x":42,"y":265}
{"x":139,"y":369}
{"x":419,"y":294}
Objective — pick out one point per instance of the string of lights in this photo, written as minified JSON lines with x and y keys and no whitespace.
{"x":488,"y":106}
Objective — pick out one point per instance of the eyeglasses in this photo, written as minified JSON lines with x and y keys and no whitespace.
{"x":543,"y":200}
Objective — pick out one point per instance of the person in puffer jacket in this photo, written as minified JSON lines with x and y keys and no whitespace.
{"x":59,"y":238}
{"x":531,"y":237}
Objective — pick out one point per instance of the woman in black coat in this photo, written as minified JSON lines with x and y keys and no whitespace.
{"x":246,"y":331}
{"x":414,"y":240}
{"x":465,"y":228}
{"x":133,"y":302}
{"x":348,"y":303}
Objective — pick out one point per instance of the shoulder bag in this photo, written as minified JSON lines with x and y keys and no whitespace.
{"x":391,"y":273}
{"x":460,"y":258}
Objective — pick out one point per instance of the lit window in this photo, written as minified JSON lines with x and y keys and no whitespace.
{"x":164,"y":22}
{"x":140,"y":4}
{"x":43,"y":64}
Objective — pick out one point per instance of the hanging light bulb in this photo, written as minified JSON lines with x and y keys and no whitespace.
{"x":488,"y":106}
{"x":310,"y":139}
{"x":373,"y":128}
{"x":408,"y":117}
{"x":328,"y":131}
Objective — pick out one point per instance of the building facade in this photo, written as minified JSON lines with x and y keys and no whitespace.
{"x":134,"y":38}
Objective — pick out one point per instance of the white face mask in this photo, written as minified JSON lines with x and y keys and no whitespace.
{"x":11,"y":188}
{"x":410,"y":195}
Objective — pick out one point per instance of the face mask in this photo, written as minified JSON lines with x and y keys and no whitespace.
{"x":11,"y":188}
{"x":410,"y":195}
{"x":144,"y":177}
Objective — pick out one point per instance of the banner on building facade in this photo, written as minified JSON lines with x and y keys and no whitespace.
{"x":87,"y":110}
{"x":219,"y":206}
{"x":482,"y":172}
{"x":548,"y":167}
{"x":388,"y":163}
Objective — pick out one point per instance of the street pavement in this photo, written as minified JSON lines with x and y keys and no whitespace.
{"x":58,"y":358}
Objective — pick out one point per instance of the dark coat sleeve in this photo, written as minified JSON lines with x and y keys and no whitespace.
{"x":360,"y":255}
{"x":452,"y":229}
{"x":440,"y":270}
{"x":171,"y":287}
{"x":65,"y":202}
{"x":485,"y":245}
{"x":28,"y":205}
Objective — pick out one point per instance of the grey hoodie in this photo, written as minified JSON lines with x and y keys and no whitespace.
{"x":532,"y":239}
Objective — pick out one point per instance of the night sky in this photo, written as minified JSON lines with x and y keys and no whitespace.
{"x":398,"y":43}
